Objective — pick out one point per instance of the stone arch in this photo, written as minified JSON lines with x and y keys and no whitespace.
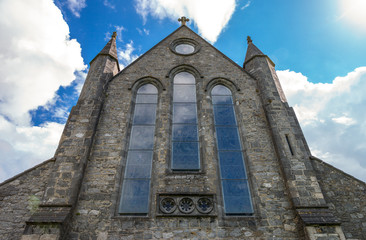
{"x":184,"y":68}
{"x":144,"y":80}
{"x":221,"y":81}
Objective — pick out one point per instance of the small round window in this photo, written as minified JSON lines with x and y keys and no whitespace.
{"x":184,"y":48}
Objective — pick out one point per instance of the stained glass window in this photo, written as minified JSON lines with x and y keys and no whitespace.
{"x":234,"y":181}
{"x":185,"y":146}
{"x":137,"y":177}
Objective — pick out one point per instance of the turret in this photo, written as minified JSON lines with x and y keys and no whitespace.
{"x":291,"y":147}
{"x":72,"y":155}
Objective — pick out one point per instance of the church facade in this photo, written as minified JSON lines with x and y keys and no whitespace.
{"x":182,"y":144}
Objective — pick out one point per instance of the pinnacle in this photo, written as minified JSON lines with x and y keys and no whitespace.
{"x":252,"y":50}
{"x":110,"y":48}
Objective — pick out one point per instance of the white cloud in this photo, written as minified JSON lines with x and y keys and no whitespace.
{"x":126,"y":55}
{"x":108,"y":4}
{"x":344,"y":120}
{"x":25,"y":146}
{"x":246,"y":5}
{"x":76,"y":6}
{"x":332,"y":117}
{"x":119,"y":30}
{"x":36,"y":58}
{"x":210,"y":16}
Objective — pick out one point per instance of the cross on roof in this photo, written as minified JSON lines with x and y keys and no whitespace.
{"x":249,"y":39}
{"x":183,"y":20}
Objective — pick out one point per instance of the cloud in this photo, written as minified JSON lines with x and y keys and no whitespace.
{"x":22,"y":147}
{"x":332,"y":117}
{"x":126,"y":56}
{"x":210,"y":16}
{"x":76,"y":6}
{"x":143,"y":31}
{"x":246,"y":5}
{"x":37,"y":56}
{"x":119,"y":30}
{"x":108,"y":4}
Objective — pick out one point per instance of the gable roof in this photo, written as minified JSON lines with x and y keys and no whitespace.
{"x":174,"y":32}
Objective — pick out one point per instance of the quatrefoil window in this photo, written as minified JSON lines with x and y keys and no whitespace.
{"x":204,"y":205}
{"x":168,"y":205}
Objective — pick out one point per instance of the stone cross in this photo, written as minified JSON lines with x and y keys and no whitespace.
{"x":249,"y":40}
{"x":183,"y":20}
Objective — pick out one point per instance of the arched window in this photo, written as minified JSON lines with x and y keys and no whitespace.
{"x":185,"y":146}
{"x":136,"y":182}
{"x":234,"y":181}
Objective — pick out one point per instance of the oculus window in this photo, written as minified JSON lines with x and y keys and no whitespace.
{"x":184,"y":48}
{"x":234,"y":180}
{"x":185,"y":145}
{"x":136,"y":182}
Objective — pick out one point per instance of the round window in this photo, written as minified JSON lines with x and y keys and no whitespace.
{"x":184,"y":48}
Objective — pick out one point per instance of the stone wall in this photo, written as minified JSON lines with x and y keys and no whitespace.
{"x":19,"y":198}
{"x":96,"y":210}
{"x":346,"y":196}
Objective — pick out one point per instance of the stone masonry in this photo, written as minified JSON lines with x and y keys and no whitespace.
{"x":77,"y":194}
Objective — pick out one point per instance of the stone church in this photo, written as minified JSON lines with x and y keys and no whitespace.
{"x":182,"y":144}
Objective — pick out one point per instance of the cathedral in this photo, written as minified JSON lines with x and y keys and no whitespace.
{"x":182,"y":144}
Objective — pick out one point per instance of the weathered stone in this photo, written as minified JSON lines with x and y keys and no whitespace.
{"x":76,"y":196}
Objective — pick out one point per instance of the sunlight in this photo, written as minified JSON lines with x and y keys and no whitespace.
{"x":354,"y":11}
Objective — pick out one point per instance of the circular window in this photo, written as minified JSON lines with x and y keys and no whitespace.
{"x":184,"y":46}
{"x":204,"y":205}
{"x":167,"y":205}
{"x":186,"y":205}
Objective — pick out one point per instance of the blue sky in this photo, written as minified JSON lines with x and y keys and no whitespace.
{"x":318,"y":48}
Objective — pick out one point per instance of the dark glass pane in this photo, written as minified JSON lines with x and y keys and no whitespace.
{"x":142,"y":137}
{"x":232,"y":165}
{"x":222,"y":100}
{"x":146,"y":98}
{"x":185,"y":156}
{"x":227,"y":138}
{"x":236,"y":197}
{"x":135,"y":196}
{"x":144,"y":114}
{"x":184,"y":93}
{"x":139,"y":164}
{"x":220,"y":90}
{"x":184,"y":48}
{"x":184,"y":113}
{"x":184,"y":132}
{"x":224,"y":115}
{"x":184,"y":78}
{"x":147,"y":88}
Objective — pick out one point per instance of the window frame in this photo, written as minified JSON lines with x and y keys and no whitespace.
{"x":212,"y":84}
{"x":123,"y":170}
{"x":197,"y":123}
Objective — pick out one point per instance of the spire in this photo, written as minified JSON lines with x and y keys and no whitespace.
{"x":252,"y":50}
{"x":110,"y":48}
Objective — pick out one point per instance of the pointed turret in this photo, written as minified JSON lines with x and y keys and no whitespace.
{"x":71,"y":157}
{"x":252,"y":51}
{"x":110,"y":48}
